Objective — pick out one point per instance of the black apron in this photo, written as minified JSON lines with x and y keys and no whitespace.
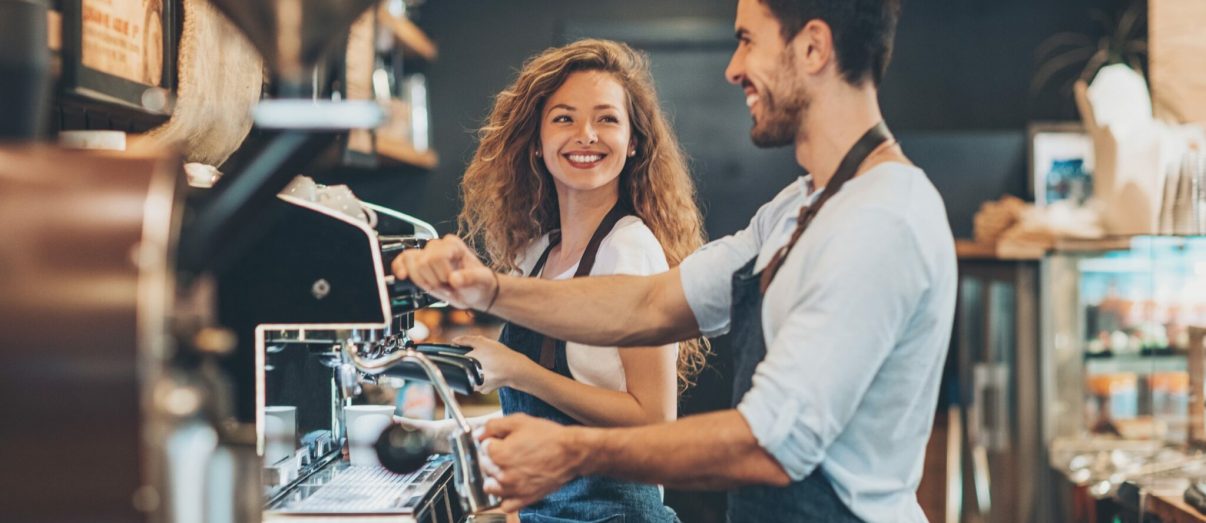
{"x":813,"y":498}
{"x":594,"y":499}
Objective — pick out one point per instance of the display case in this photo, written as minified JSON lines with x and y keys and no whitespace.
{"x":1119,"y":320}
{"x":1117,"y":336}
{"x":1073,"y":386}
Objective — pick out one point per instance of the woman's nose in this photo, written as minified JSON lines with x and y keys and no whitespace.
{"x":587,"y":134}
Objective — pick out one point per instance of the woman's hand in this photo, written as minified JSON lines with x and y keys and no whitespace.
{"x":501,"y":365}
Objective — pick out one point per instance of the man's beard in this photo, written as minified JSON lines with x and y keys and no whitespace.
{"x":780,"y":123}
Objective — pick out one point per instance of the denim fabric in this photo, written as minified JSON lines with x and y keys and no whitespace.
{"x":586,"y":499}
{"x":810,"y":499}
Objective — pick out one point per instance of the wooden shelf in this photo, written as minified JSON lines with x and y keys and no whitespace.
{"x":400,"y":150}
{"x":413,"y":40}
{"x":1117,"y":243}
{"x":1170,"y":507}
{"x":971,"y":250}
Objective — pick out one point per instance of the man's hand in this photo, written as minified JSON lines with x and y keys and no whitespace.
{"x":527,"y":458}
{"x":449,"y":270}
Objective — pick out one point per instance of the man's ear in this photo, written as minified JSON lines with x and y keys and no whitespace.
{"x":813,"y":47}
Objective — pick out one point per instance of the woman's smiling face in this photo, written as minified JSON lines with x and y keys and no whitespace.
{"x":585,"y":131}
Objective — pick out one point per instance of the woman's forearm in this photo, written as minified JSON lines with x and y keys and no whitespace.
{"x":591,"y":405}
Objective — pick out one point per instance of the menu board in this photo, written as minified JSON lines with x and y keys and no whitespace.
{"x":123,"y":38}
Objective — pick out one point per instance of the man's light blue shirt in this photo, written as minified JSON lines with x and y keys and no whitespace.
{"x":857,"y":324}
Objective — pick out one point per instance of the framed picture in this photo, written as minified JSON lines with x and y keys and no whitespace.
{"x":114,"y":51}
{"x":1061,"y":163}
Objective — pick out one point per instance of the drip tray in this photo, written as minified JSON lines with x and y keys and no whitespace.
{"x":345,"y":489}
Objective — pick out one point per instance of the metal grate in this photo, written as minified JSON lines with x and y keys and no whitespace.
{"x":368,"y":490}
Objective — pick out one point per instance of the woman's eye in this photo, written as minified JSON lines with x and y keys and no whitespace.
{"x":609,"y":119}
{"x":561,"y":118}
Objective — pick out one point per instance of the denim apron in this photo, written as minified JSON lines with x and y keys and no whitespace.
{"x":812,"y":498}
{"x":585,"y":499}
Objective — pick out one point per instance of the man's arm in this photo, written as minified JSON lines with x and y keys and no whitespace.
{"x":620,"y":310}
{"x":530,"y":457}
{"x":603,"y":310}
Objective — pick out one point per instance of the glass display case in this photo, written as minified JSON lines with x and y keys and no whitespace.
{"x":1118,"y":321}
{"x":1117,"y":333}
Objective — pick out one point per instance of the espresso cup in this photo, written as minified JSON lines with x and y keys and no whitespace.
{"x":365,"y":423}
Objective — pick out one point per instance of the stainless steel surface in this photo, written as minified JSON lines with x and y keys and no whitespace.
{"x":422,"y":228}
{"x":347,"y":489}
{"x":1002,"y":458}
{"x":468,"y":479}
{"x":302,"y":373}
{"x":325,"y":115}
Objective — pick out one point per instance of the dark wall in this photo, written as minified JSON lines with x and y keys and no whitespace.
{"x":960,"y":66}
{"x":957,"y":96}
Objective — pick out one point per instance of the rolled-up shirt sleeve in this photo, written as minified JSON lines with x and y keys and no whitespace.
{"x":707,"y":278}
{"x":707,"y":274}
{"x":847,"y":314}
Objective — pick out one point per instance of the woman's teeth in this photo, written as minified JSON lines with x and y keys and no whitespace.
{"x":584,"y":158}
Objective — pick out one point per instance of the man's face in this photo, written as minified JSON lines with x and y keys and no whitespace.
{"x":764,"y":66}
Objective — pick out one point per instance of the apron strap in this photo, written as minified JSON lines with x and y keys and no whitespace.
{"x":873,"y":138}
{"x":548,"y":348}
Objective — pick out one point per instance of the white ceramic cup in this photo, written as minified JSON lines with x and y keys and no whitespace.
{"x":280,"y":432}
{"x":364,"y":425}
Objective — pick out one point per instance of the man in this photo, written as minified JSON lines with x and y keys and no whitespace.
{"x":839,"y":297}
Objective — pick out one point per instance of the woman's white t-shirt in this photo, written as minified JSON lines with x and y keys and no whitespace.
{"x":630,"y":248}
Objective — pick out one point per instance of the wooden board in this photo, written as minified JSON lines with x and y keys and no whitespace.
{"x":1178,"y":77}
{"x":1171,"y":508}
{"x":971,"y":250}
{"x":359,"y":75}
{"x":413,"y":40}
{"x":392,"y":148}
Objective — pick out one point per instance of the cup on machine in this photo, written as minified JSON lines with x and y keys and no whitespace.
{"x":280,"y":433}
{"x":365,"y":423}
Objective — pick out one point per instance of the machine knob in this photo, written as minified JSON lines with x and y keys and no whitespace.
{"x":403,"y":450}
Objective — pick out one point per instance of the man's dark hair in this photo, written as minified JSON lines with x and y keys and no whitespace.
{"x":863,"y":31}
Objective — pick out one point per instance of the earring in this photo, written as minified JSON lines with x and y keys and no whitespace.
{"x":539,"y":154}
{"x":632,"y":153}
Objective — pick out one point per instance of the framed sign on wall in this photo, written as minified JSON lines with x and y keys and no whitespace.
{"x":120,"y":55}
{"x":1061,"y":162}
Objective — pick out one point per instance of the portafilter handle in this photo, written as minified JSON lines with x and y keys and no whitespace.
{"x":469,"y":480}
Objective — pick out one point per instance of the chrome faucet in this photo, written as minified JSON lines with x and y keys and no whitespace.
{"x":468,"y":477}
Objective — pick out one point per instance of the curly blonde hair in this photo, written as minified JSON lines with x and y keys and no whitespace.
{"x":508,"y":192}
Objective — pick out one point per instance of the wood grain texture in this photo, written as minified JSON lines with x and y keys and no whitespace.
{"x":1177,"y":47}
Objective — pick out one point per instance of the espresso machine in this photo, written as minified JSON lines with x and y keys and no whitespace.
{"x":315,"y":300}
{"x":150,"y":332}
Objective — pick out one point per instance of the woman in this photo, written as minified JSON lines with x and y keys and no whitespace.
{"x":577,"y":173}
